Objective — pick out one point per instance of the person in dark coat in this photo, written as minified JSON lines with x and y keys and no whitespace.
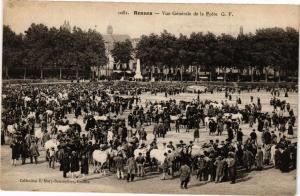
{"x":66,"y":162}
{"x":74,"y":163}
{"x":2,"y":137}
{"x":14,"y":152}
{"x":253,"y":136}
{"x":84,"y":165}
{"x":285,"y":161}
{"x":239,"y":135}
{"x":24,"y":151}
{"x":290,"y":131}
{"x":196,"y":135}
{"x":230,"y":134}
{"x":267,"y":137}
{"x":277,"y":158}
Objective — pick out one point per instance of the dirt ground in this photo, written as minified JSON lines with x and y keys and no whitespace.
{"x":42,"y":178}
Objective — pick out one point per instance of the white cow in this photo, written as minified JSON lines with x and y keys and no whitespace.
{"x":11,"y":129}
{"x":63,"y":128}
{"x":51,"y":143}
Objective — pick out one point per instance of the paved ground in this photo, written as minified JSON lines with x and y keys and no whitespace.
{"x":269,"y":181}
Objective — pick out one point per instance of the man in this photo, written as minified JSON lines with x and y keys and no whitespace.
{"x":51,"y":157}
{"x":46,"y":137}
{"x":156,"y":130}
{"x":196,"y":135}
{"x":220,"y":164}
{"x":143,"y":135}
{"x":201,"y":167}
{"x":131,"y":163}
{"x":170,"y":145}
{"x":231,"y":162}
{"x":259,"y":159}
{"x":177,"y":126}
{"x":230,"y":134}
{"x":165,"y":166}
{"x":34,"y":153}
{"x":185,"y":173}
{"x":247,"y":159}
{"x":140,"y":160}
{"x":119,"y":163}
{"x":239,"y":135}
{"x":253,"y":136}
{"x":267,"y":138}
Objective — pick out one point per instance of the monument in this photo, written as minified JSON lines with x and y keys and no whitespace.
{"x":138,"y":74}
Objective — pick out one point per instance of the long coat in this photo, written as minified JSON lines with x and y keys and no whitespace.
{"x":65,"y":164}
{"x":131,"y":165}
{"x":74,"y":163}
{"x":34,"y":150}
{"x":185,"y":173}
{"x":84,"y":165}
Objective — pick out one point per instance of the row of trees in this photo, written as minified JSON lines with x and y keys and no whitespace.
{"x":76,"y":49}
{"x":274,"y":48}
{"x":41,"y":47}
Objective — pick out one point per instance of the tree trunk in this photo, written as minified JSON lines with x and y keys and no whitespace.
{"x":25,"y":70}
{"x":181,"y":70}
{"x":197,"y":67}
{"x":77,"y":73}
{"x":279,"y":78}
{"x":151,"y":72}
{"x":266,"y":74}
{"x":6,"y":72}
{"x":238,"y":76}
{"x":41,"y":73}
{"x":210,"y":75}
{"x":60,"y":73}
{"x":252,"y":74}
{"x":224,"y":74}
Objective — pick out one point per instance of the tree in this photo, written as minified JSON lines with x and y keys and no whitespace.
{"x":36,"y":44}
{"x":147,"y":51}
{"x":224,"y":55}
{"x":198,"y":50}
{"x":242,"y":54}
{"x":122,"y":51}
{"x":183,"y":56}
{"x":167,"y":43}
{"x":211,"y":45}
{"x":12,"y":49}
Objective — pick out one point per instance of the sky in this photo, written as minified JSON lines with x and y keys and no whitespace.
{"x":19,"y":14}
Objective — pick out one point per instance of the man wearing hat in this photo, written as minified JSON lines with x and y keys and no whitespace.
{"x":131,"y":166}
{"x":185,"y":173}
{"x":119,"y":163}
{"x":170,"y":145}
{"x":34,"y":153}
{"x":140,"y":161}
{"x":51,"y":157}
{"x":231,"y":163}
{"x":201,"y":167}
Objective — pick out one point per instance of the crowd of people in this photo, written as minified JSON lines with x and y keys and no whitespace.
{"x":115,"y":122}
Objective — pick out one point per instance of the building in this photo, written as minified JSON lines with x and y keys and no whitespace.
{"x":110,"y":38}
